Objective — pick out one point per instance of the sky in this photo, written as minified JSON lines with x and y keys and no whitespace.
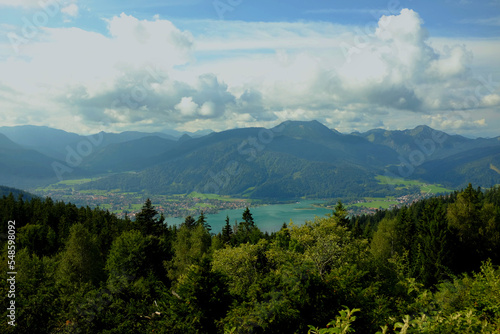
{"x":150,"y":65}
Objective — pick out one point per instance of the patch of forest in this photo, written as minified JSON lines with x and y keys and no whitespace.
{"x":429,"y":267}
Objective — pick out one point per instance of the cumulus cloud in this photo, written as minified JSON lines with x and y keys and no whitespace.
{"x":92,"y":76}
{"x":397,"y":68}
{"x":149,"y":74}
{"x":390,"y":65}
{"x":187,"y":107}
{"x":456,"y":123}
{"x":491,"y":100}
{"x":70,"y":10}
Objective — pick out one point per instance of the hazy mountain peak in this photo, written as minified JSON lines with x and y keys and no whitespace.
{"x":178,"y":134}
{"x":304,"y":129}
{"x":184,"y":137}
{"x":42,"y":138}
{"x":420,"y":130}
{"x":302,"y":151}
{"x":423,"y":127}
{"x":5,"y":142}
{"x":313,"y":123}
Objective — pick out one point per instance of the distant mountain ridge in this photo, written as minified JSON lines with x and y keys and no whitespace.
{"x":53,"y":142}
{"x":23,"y":167}
{"x":294,"y":159}
{"x":405,"y":141}
{"x":6,"y":143}
{"x":6,"y":191}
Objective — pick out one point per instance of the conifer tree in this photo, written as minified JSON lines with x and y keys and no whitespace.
{"x":356,"y":229}
{"x":146,"y":221}
{"x":248,"y":218}
{"x":463,"y":215}
{"x":247,"y":231}
{"x":189,"y":222}
{"x":406,"y":229}
{"x":190,"y":247}
{"x":81,"y":261}
{"x":341,"y":214}
{"x":227,"y":231}
{"x":203,"y":221}
{"x":432,"y":256}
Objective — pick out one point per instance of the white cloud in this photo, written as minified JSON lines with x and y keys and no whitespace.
{"x":491,"y":100}
{"x":187,"y":107}
{"x":480,"y":122}
{"x":456,"y":123}
{"x":70,"y":69}
{"x":391,"y":66}
{"x":208,"y":109}
{"x":71,"y":10}
{"x":146,"y":74}
{"x":452,"y":62}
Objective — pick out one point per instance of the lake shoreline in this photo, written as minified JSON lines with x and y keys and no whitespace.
{"x":268,"y":217}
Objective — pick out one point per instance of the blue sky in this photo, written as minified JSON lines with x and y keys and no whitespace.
{"x":87,"y":66}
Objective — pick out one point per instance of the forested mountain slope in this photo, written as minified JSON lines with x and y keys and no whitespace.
{"x":289,"y":161}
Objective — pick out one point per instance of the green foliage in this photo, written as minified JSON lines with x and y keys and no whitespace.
{"x":246,"y":231}
{"x":458,"y":322}
{"x":38,"y":239}
{"x":466,"y":305}
{"x":248,"y":218}
{"x":384,"y":241}
{"x":6,"y":191}
{"x":325,"y":243}
{"x":480,"y":292}
{"x":198,"y":302}
{"x":203,"y":222}
{"x":81,"y":262}
{"x":127,"y":260}
{"x":147,"y":222}
{"x":227,"y":232}
{"x":341,"y":324}
{"x":37,"y":302}
{"x":243,"y":265}
{"x":190,"y":247}
{"x":429,"y":268}
{"x":464,"y":215}
{"x":432,"y":249}
{"x":341,"y":214}
{"x":189,"y":222}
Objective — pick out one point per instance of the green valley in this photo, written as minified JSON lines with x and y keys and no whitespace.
{"x":130,"y":203}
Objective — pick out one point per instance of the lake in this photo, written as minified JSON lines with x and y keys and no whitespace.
{"x":268,"y":218}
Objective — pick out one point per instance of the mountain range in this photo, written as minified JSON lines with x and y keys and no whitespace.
{"x":292,"y":160}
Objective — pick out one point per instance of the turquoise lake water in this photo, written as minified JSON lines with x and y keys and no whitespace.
{"x":268,"y":218}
